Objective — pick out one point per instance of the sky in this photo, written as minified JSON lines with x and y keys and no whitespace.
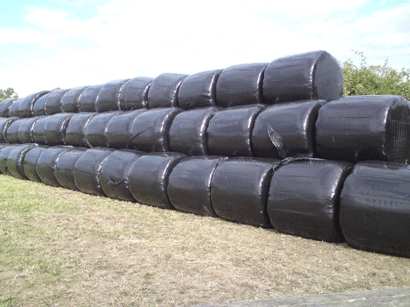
{"x":68,"y":43}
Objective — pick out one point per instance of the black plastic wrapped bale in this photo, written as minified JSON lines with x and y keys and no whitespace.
{"x":54,"y":104}
{"x":95,"y":129}
{"x":27,"y":103}
{"x":75,"y":131}
{"x":199,"y":90}
{"x":12,"y":132}
{"x":286,"y":130}
{"x":150,"y":130}
{"x":115,"y":173}
{"x":56,"y":127}
{"x":364,"y":128}
{"x":47,"y":163}
{"x":134,"y":95}
{"x":65,"y":167}
{"x":375,"y":208}
{"x":239,"y":190}
{"x":148,"y":178}
{"x":188,"y":131}
{"x":108,"y":97}
{"x":4,"y":154}
{"x":39,"y":133}
{"x":189,"y":185}
{"x":69,"y":103}
{"x":5,"y":106}
{"x":5,"y":122}
{"x":87,"y":170}
{"x":304,"y":198}
{"x":240,"y":85}
{"x":87,"y":102}
{"x":230,"y":130}
{"x":312,"y":75}
{"x":30,"y":162}
{"x":118,"y":130}
{"x":164,"y":91}
{"x":39,"y":107}
{"x":16,"y":158}
{"x":25,"y":130}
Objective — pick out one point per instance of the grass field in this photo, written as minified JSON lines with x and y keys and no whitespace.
{"x":65,"y":248}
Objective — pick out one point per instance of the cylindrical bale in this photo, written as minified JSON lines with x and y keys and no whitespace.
{"x":75,"y":131}
{"x":95,"y":129}
{"x":199,"y":90}
{"x":240,"y":85}
{"x":55,"y":128}
{"x":69,"y":103}
{"x":39,"y":107}
{"x":188,"y":131}
{"x":286,"y":130}
{"x":364,"y":128}
{"x":23,"y":107}
{"x":189,"y":185}
{"x":312,"y":75}
{"x":108,"y":97}
{"x":39,"y":133}
{"x":87,"y":170}
{"x":150,"y":130}
{"x":12,"y":132}
{"x":114,"y":174}
{"x":53,"y":103}
{"x":16,"y":158}
{"x":134,"y":94}
{"x":375,"y":208}
{"x":64,"y":171}
{"x":47,"y":163}
{"x":30,"y":162}
{"x":164,"y":91}
{"x":5,"y":122}
{"x":148,"y":178}
{"x":25,"y":130}
{"x":239,"y":190}
{"x":230,"y":130}
{"x":5,"y":106}
{"x":4,"y":154}
{"x":304,"y":198}
{"x":87,"y":102}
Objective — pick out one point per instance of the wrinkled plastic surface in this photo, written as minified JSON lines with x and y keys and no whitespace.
{"x":304,"y":198}
{"x":364,"y":128}
{"x":16,"y":158}
{"x":12,"y":130}
{"x":199,"y":90}
{"x":375,"y":208}
{"x":39,"y":133}
{"x":312,"y":75}
{"x":189,"y":185}
{"x":23,"y":107}
{"x":5,"y":106}
{"x":95,"y":129}
{"x":87,"y":101}
{"x":4,"y":154}
{"x":240,"y":85}
{"x":134,"y":95}
{"x":5,"y":122}
{"x":30,"y":162}
{"x":286,"y":130}
{"x":47,"y":163}
{"x":188,"y":132}
{"x":39,"y":107}
{"x":150,"y":130}
{"x":230,"y":130}
{"x":108,"y":97}
{"x":25,"y":129}
{"x":75,"y":131}
{"x":53,"y":104}
{"x":55,"y":128}
{"x":69,"y":103}
{"x":65,"y":167}
{"x":164,"y":91}
{"x":115,"y":172}
{"x":148,"y":178}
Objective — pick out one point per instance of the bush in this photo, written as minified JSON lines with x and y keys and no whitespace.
{"x":7,"y":93}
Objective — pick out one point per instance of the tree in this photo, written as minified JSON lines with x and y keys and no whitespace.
{"x":7,"y":93}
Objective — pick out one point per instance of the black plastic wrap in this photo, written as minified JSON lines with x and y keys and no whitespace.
{"x":134,"y":95}
{"x":198,"y":90}
{"x":189,"y":185}
{"x":286,"y":130}
{"x":75,"y":131}
{"x":5,"y":106}
{"x":87,"y":170}
{"x":69,"y":103}
{"x":150,"y":130}
{"x":304,"y":198}
{"x":25,"y":129}
{"x":364,"y":128}
{"x":30,"y":162}
{"x":148,"y":178}
{"x":55,"y":128}
{"x":39,"y":133}
{"x":4,"y":154}
{"x":375,"y":208}
{"x":87,"y":102}
{"x":188,"y":131}
{"x":229,"y":132}
{"x":108,"y":97}
{"x":16,"y":158}
{"x":39,"y":107}
{"x":5,"y":122}
{"x":164,"y":91}
{"x":115,"y":172}
{"x":23,"y":107}
{"x":240,"y":85}
{"x":239,"y":190}
{"x":12,"y":132}
{"x":47,"y":163}
{"x":64,"y":171}
{"x":312,"y":75}
{"x":54,"y":104}
{"x":95,"y":129}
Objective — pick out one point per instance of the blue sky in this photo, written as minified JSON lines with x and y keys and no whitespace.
{"x":65,"y":43}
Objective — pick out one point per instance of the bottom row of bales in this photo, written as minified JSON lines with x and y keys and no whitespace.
{"x":367,"y":204}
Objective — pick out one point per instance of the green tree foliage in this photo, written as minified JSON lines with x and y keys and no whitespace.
{"x":7,"y":93}
{"x":374,"y":80}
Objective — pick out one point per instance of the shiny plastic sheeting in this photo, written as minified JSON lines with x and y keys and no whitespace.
{"x":53,"y":103}
{"x":189,"y":185}
{"x":148,"y":178}
{"x":364,"y":128}
{"x":16,"y":158}
{"x":30,"y":162}
{"x":198,"y":90}
{"x":55,"y":128}
{"x":47,"y":163}
{"x":95,"y":129}
{"x":65,"y":167}
{"x":12,"y":132}
{"x":108,"y":97}
{"x":134,"y":95}
{"x":304,"y":198}
{"x":5,"y":122}
{"x":39,"y":133}
{"x":23,"y":107}
{"x":164,"y":91}
{"x":286,"y":130}
{"x":375,"y":208}
{"x":5,"y":106}
{"x":240,"y":85}
{"x":25,"y":129}
{"x":87,"y":102}
{"x":4,"y":154}
{"x":75,"y":131}
{"x":312,"y":75}
{"x":69,"y":103}
{"x":39,"y":107}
